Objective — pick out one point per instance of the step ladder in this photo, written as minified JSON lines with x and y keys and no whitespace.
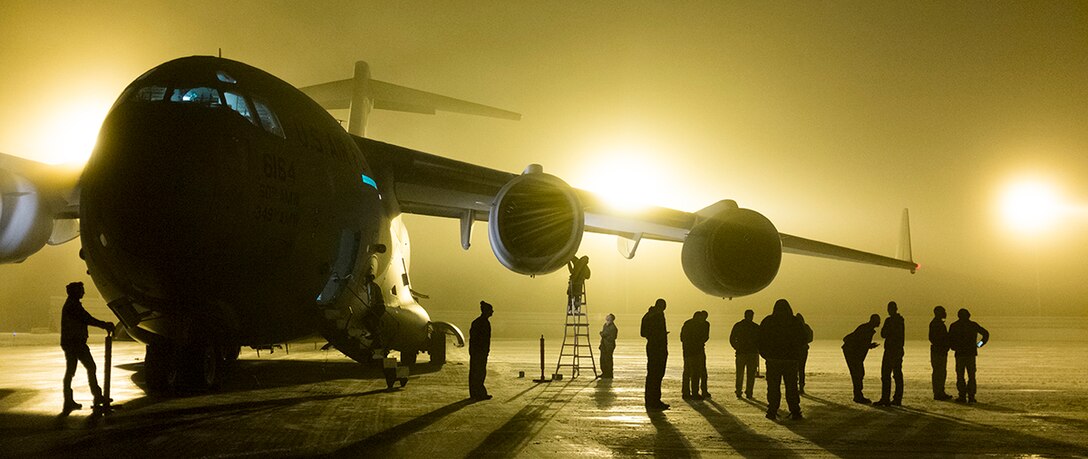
{"x":576,"y":345}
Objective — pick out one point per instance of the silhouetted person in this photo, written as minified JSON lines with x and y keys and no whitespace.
{"x":891,"y":366}
{"x":608,"y":345}
{"x":938,"y":353}
{"x":479,"y":346}
{"x":694,"y":335}
{"x":745,"y":340}
{"x":657,"y":353}
{"x":373,"y":314}
{"x":854,"y":347}
{"x":780,"y":340}
{"x":579,"y":272}
{"x":804,"y":354}
{"x":73,"y":341}
{"x":962,"y":336}
{"x":702,"y":368}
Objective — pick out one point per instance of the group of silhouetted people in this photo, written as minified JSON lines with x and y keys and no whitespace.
{"x":960,"y":337}
{"x":782,"y":339}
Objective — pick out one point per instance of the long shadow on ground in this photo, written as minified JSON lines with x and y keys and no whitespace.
{"x":855,"y":431}
{"x":743,"y":439}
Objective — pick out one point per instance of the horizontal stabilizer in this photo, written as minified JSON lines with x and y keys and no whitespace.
{"x":390,"y":97}
{"x":337,"y":95}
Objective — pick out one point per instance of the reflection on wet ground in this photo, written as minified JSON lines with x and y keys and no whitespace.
{"x":1033,"y":401}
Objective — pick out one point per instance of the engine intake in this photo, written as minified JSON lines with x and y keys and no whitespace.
{"x":733,"y":252}
{"x":25,"y":222}
{"x":536,"y":224}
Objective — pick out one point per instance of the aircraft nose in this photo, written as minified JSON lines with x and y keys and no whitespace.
{"x":155,"y":194}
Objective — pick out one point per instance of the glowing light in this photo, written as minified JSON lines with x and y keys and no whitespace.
{"x":70,"y":136}
{"x":628,"y":177}
{"x":1031,"y":206}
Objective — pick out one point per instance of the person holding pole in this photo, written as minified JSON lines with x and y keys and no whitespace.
{"x":73,"y":341}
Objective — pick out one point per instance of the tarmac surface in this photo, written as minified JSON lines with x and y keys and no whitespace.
{"x":1033,"y":402}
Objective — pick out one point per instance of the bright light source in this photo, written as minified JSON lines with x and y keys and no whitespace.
{"x":1030,"y":206}
{"x":627,"y":177}
{"x":71,"y":135}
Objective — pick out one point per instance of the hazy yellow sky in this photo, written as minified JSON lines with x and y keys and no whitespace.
{"x":828,"y":117}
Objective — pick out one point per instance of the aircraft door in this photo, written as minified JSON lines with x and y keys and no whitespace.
{"x":342,"y":268}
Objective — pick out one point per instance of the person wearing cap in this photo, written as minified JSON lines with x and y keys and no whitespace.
{"x":479,"y":346}
{"x":73,"y":341}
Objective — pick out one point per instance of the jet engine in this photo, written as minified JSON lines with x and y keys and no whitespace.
{"x":25,"y":221}
{"x":731,"y":251}
{"x":536,"y":223}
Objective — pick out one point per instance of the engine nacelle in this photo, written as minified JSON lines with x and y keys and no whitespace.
{"x":536,"y":224}
{"x":25,"y":221}
{"x":733,"y":252}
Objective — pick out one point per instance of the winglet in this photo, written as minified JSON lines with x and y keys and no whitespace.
{"x":361,"y":94}
{"x":904,"y":252}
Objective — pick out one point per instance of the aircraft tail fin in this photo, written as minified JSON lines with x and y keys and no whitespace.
{"x":904,"y":251}
{"x":361,"y":94}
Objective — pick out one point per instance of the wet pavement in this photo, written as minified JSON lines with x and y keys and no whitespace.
{"x":1033,"y":401}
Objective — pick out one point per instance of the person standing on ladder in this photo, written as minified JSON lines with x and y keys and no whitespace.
{"x":579,"y":272}
{"x":577,"y":320}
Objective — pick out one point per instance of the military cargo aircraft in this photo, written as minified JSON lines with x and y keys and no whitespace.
{"x":223,"y":207}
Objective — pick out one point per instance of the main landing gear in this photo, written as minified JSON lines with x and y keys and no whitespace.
{"x":191,"y":367}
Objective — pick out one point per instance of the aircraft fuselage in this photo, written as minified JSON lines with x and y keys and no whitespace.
{"x":221,"y":201}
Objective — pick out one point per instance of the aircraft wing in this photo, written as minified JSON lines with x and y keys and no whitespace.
{"x":532,"y":212}
{"x":39,"y":205}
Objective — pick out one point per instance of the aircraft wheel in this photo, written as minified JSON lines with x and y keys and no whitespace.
{"x":160,"y":368}
{"x":438,"y":348}
{"x":203,"y":367}
{"x":408,"y":357}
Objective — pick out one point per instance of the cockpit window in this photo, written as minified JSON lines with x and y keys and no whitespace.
{"x":151,"y":93}
{"x":268,"y":118}
{"x":225,"y":77}
{"x":238,"y":103}
{"x":208,"y":97}
{"x":255,"y":110}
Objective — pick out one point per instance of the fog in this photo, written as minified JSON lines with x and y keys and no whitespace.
{"x":828,"y":118}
